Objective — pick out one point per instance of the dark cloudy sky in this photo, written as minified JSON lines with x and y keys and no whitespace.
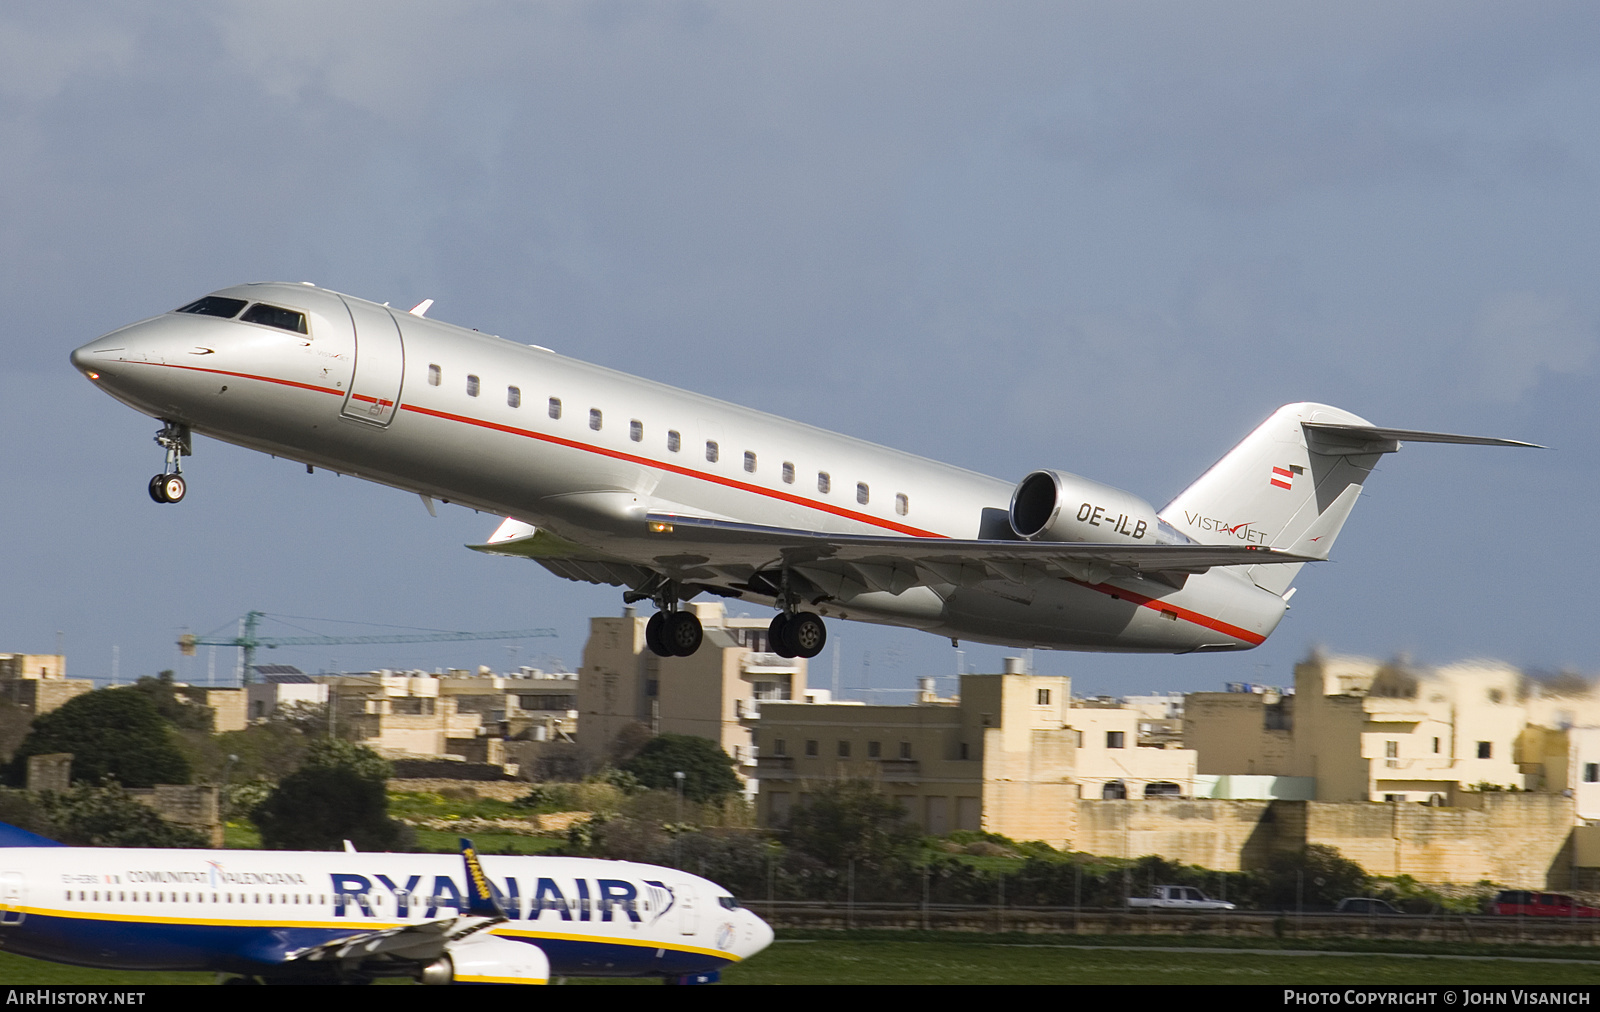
{"x":1108,"y":238}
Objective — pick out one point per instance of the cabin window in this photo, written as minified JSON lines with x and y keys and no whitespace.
{"x":555,"y":407}
{"x":214,"y":305}
{"x":750,"y":462}
{"x":862,"y":493}
{"x":594,"y":419}
{"x":472,"y":386}
{"x":435,"y":375}
{"x":902,"y":505}
{"x":636,"y":430}
{"x":514,"y":397}
{"x":824,"y":483}
{"x":674,"y":441}
{"x":711,"y":450}
{"x":271,"y":316}
{"x":788,"y":473}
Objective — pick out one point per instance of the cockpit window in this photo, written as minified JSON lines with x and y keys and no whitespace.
{"x":214,"y":305}
{"x":728,"y":902}
{"x":273,"y":316}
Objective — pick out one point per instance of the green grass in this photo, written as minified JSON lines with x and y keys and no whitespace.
{"x":435,"y":841}
{"x":882,"y":958}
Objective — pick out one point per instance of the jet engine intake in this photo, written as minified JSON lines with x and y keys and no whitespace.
{"x":1060,"y":506}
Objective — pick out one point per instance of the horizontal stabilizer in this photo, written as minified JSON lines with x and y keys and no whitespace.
{"x":1338,"y":433}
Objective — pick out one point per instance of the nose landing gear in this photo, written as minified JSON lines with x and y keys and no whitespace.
{"x":169,"y":486}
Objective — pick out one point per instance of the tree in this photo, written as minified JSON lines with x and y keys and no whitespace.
{"x":708,"y":771}
{"x":105,"y":815}
{"x":1315,"y":878}
{"x":114,"y":733}
{"x":850,"y":820}
{"x":174,"y":706}
{"x":337,"y":794}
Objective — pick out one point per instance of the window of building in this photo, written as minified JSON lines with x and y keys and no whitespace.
{"x":1114,"y":739}
{"x":636,"y":430}
{"x":750,"y":462}
{"x":472,"y":386}
{"x":824,"y":483}
{"x":711,"y":450}
{"x":595,"y":419}
{"x":435,"y":376}
{"x":674,"y":441}
{"x":1435,"y":746}
{"x":844,"y":750}
{"x":1485,"y":750}
{"x":1394,"y":798}
{"x":905,"y":750}
{"x":874,"y":750}
{"x":1591,"y":773}
{"x":780,"y":746}
{"x":652,"y":687}
{"x":788,"y":473}
{"x":811,"y":746}
{"x":514,"y":396}
{"x":963,"y":750}
{"x":555,"y":407}
{"x":1391,"y":749}
{"x":902,"y":505}
{"x":1042,"y":697}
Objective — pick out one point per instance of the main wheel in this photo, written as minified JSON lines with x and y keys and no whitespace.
{"x":653,"y":637}
{"x":155,"y":488}
{"x":173,"y":487}
{"x":683,"y":634}
{"x":778,"y":636}
{"x":807,"y":633}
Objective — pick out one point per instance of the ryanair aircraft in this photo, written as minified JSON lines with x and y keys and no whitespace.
{"x":614,"y":479}
{"x":286,"y":917}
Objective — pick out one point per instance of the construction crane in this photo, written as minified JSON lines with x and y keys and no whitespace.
{"x":248,"y":641}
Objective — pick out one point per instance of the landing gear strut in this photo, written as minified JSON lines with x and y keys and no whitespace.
{"x":169,"y":486}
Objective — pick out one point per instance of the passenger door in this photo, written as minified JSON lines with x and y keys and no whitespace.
{"x":374,"y":394}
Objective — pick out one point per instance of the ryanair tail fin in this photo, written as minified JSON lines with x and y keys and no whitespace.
{"x":1292,"y":483}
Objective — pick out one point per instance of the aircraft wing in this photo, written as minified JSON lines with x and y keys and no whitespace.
{"x":716,"y":553}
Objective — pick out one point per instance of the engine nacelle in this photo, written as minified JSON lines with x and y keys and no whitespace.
{"x":1058,"y":506}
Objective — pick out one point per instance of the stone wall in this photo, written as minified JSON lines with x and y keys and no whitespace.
{"x":1516,"y":840}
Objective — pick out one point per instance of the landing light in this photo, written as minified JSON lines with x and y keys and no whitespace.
{"x":657,"y":527}
{"x":93,"y":375}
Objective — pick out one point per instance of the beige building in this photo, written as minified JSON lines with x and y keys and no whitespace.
{"x":1011,"y":755}
{"x":419,"y":713}
{"x":38,"y":682}
{"x":1369,"y":731}
{"x":716,"y":693}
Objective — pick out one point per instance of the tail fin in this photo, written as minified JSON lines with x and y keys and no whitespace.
{"x":1291,"y":484}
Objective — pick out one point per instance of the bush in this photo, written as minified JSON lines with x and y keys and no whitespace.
{"x":708,"y":771}
{"x":337,"y":794}
{"x":114,"y":733}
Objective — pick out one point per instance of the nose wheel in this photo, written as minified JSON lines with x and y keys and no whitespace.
{"x":169,"y":486}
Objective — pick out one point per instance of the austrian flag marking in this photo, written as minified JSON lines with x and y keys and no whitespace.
{"x":1283,"y":477}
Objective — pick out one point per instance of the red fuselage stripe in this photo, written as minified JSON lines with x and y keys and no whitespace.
{"x":1206,"y":621}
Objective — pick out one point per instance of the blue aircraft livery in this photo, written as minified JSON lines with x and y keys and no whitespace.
{"x":437,"y":918}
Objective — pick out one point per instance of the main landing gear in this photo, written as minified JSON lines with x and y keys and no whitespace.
{"x":673,"y":633}
{"x":801,"y":634}
{"x":169,"y":486}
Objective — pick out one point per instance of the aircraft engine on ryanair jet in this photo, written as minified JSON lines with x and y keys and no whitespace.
{"x":1059,"y":506}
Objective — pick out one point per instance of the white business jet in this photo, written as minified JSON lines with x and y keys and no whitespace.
{"x":286,"y":917}
{"x":614,"y":479}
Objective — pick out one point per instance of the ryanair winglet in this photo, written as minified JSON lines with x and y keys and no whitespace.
{"x":481,"y":900}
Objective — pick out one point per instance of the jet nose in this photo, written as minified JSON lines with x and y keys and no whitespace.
{"x":90,"y":358}
{"x":760,"y":935}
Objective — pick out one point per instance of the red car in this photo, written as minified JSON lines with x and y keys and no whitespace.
{"x":1517,"y":902}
